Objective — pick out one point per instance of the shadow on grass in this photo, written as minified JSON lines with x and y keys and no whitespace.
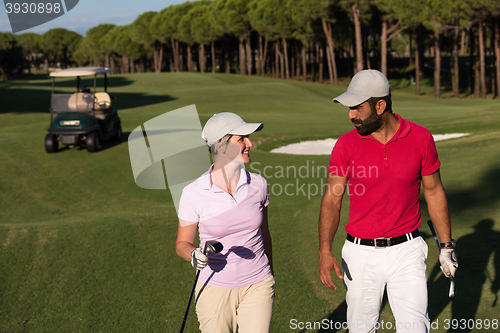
{"x":485,"y":193}
{"x":335,"y":319}
{"x":103,"y":146}
{"x":473,"y":252}
{"x":19,"y":97}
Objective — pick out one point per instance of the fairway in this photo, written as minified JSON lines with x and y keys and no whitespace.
{"x":84,"y":249}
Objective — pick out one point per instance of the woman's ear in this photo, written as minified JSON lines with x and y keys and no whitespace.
{"x":220,"y":147}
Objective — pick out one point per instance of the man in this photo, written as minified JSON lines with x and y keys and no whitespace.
{"x":383,"y":161}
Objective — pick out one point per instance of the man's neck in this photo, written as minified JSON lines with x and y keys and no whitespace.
{"x":387,"y":131}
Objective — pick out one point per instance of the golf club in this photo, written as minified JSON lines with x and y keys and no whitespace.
{"x":215,"y":247}
{"x":451,"y":292}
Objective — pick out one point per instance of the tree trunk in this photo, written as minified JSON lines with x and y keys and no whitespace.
{"x":242,"y":58}
{"x":472,"y":40}
{"x":160,"y":59}
{"x":171,"y":63}
{"x":417,"y":64}
{"x":329,"y":62}
{"x":482,"y":66}
{"x":259,"y":68}
{"x":35,"y":67}
{"x":437,"y":64}
{"x":175,"y":53}
{"x":125,"y":65}
{"x":201,"y":57}
{"x":455,"y":80}
{"x":213,"y":55}
{"x":320,"y":60}
{"x":383,"y":48}
{"x":276,"y":59}
{"x":249,"y":52}
{"x":112,"y":63}
{"x":285,"y":52}
{"x":304,"y":63}
{"x":280,"y":66}
{"x":155,"y":58}
{"x":497,"y":53}
{"x":263,"y":72}
{"x":462,"y":42}
{"x":357,"y":33}
{"x":190,"y":59}
{"x":181,"y":57}
{"x":410,"y":62}
{"x":477,"y":78}
{"x":227,"y":61}
{"x":330,"y":54}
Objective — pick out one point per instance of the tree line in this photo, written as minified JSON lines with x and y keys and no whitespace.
{"x":316,"y":40}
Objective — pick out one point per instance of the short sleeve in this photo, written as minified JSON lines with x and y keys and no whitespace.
{"x":338,"y":160}
{"x":187,"y":211}
{"x":265,"y":192}
{"x":430,"y":161}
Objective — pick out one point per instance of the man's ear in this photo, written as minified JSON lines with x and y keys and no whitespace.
{"x":381,"y":106}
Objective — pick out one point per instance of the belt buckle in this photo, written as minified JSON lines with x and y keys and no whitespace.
{"x":388,"y":240}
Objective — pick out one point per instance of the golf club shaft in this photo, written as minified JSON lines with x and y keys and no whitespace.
{"x":434,"y":234}
{"x":451,"y":292}
{"x":189,"y":303}
{"x":192,"y":293}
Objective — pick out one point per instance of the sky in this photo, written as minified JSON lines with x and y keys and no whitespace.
{"x":90,"y":13}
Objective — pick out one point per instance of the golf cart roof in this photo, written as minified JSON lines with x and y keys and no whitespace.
{"x":81,"y":71}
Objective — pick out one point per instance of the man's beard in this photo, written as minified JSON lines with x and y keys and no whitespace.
{"x":371,"y":124}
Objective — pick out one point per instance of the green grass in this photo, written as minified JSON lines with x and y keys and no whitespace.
{"x":83,"y":249}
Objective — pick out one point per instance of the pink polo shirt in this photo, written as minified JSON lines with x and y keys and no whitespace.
{"x":234,"y":220}
{"x":384,"y":180}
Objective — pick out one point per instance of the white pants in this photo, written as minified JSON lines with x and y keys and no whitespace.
{"x":402,"y":270}
{"x":222,"y":310}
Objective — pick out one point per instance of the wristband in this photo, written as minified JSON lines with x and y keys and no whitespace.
{"x":451,"y":244}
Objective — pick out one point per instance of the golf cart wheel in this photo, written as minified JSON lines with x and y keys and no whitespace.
{"x":92,"y":142}
{"x":119,"y":133}
{"x":51,"y":144}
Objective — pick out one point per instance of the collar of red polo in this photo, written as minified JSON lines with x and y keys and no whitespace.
{"x":402,"y":132}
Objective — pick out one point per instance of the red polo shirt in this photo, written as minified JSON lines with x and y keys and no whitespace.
{"x":384,"y":180}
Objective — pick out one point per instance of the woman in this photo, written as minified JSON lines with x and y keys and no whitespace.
{"x":229,"y":204}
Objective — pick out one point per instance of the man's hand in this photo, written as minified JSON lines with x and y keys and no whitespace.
{"x":198,"y":259}
{"x":327,"y":263}
{"x":449,"y":263}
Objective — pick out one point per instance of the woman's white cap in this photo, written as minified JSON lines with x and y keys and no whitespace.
{"x":365,"y":84}
{"x":227,"y":123}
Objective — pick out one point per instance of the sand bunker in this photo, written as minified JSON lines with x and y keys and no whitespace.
{"x":324,"y":147}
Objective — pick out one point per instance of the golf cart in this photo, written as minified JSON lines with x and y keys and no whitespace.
{"x":83,"y":117}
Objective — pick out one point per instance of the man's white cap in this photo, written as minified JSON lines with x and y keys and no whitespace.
{"x":365,"y":84}
{"x":227,"y":123}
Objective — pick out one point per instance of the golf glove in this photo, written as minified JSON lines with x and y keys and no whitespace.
{"x":198,"y":259}
{"x":449,"y":263}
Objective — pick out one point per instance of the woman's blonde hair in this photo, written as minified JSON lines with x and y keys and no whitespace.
{"x":221,"y":142}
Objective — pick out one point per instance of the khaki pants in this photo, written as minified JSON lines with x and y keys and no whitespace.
{"x":221,"y":310}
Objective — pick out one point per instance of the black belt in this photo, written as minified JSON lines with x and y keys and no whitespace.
{"x":382,"y":241}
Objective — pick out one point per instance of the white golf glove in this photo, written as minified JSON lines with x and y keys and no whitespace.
{"x":198,"y":259}
{"x":449,"y":263}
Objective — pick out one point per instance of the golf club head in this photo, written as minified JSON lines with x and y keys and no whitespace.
{"x":214,"y":246}
{"x":451,"y":293}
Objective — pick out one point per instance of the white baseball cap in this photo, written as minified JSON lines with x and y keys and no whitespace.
{"x":365,"y":84}
{"x":227,"y":123}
